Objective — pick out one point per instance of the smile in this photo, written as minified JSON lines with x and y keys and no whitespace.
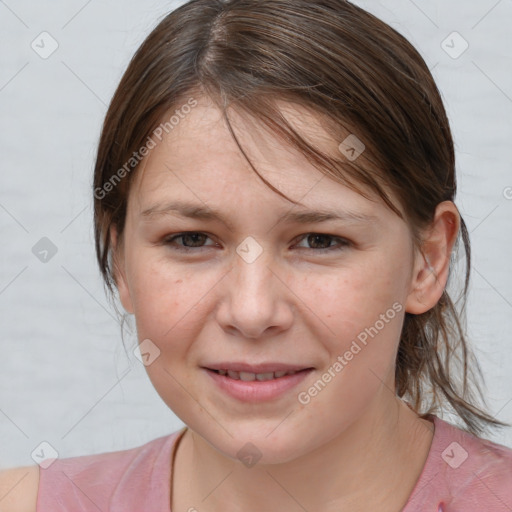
{"x":254,"y":387}
{"x":249,"y":377}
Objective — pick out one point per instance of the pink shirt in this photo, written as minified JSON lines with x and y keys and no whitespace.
{"x":462,"y":473}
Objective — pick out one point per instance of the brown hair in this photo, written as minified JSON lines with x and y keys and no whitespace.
{"x":359,"y":76}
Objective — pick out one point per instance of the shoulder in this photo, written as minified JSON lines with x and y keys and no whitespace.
{"x":111,"y":463}
{"x":105,"y":481}
{"x":100,"y":469}
{"x":477,"y":470}
{"x":18,"y":489}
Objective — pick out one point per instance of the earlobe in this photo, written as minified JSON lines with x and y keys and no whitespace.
{"x":432,"y":262}
{"x":119,"y":271}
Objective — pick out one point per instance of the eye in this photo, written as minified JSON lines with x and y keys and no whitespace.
{"x":322,"y":239}
{"x":194,"y":238}
{"x":191,"y":240}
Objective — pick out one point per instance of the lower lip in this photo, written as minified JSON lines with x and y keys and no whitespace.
{"x":257,"y":391}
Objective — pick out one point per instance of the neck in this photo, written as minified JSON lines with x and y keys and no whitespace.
{"x":373,"y":463}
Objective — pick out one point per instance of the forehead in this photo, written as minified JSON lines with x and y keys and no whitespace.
{"x":199,"y":159}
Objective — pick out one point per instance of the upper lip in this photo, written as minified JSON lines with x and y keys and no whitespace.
{"x":256,"y":368}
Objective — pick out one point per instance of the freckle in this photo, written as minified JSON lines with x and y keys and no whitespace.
{"x":179,"y":281}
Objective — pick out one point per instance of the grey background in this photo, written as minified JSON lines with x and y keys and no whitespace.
{"x":64,"y":376}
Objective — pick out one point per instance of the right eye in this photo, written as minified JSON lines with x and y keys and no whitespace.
{"x":190,"y":239}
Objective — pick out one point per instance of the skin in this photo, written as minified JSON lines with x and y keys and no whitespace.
{"x":353,"y":445}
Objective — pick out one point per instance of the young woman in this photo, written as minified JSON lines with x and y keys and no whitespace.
{"x":274,"y":203}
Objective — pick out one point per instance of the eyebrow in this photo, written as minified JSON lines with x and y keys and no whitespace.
{"x":202,"y":212}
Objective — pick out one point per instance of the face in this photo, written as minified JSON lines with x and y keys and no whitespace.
{"x":260,"y":288}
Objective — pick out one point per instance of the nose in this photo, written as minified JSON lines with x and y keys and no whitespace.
{"x":257,"y":300}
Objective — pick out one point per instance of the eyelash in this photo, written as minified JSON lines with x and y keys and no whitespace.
{"x":170,"y":241}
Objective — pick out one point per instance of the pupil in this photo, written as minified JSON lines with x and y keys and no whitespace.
{"x":192,"y":236}
{"x":316,"y":237}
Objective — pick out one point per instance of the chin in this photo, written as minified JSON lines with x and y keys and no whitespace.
{"x":252,"y":444}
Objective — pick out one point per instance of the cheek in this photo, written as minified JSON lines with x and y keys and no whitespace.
{"x":363,"y":309}
{"x":171,"y":301}
{"x":161,"y":294}
{"x":348,"y":301}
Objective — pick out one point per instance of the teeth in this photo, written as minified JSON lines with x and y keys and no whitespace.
{"x":264,"y":376}
{"x":249,"y":377}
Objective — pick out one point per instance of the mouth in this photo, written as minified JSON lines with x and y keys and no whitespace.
{"x":256,"y":383}
{"x":250,"y":376}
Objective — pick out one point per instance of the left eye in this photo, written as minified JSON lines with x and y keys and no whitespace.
{"x":193,"y":240}
{"x":324,"y":239}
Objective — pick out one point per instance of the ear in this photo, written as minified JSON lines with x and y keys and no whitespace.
{"x":119,"y":270}
{"x":432,"y":261}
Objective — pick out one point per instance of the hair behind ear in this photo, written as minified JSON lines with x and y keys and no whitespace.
{"x":435,"y":366}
